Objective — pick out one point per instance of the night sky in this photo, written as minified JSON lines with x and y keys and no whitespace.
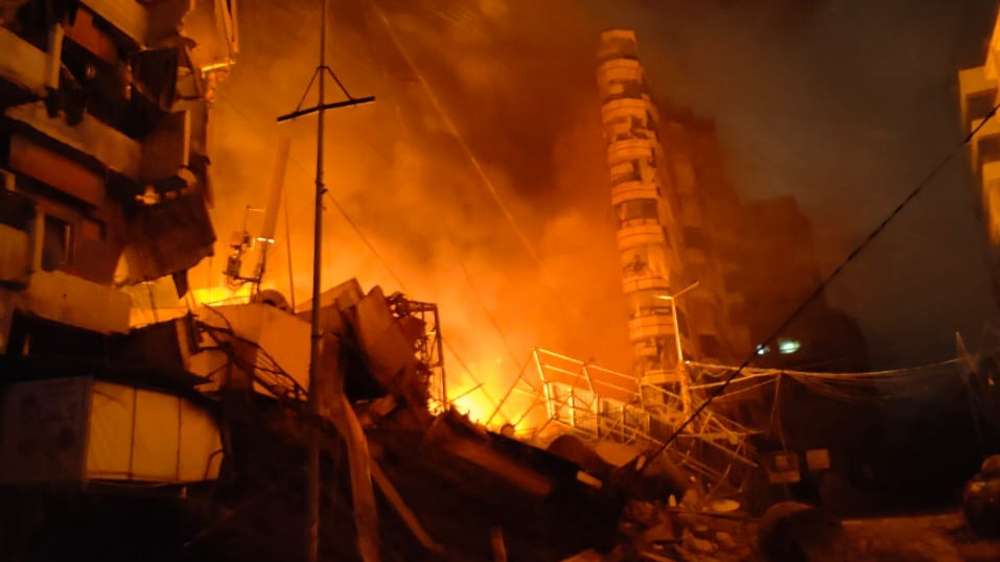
{"x":844,"y":104}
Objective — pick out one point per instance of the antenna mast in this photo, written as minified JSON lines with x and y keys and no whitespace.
{"x":316,"y":336}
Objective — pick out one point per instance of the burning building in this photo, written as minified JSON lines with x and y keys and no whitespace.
{"x":105,"y":180}
{"x":186,"y":439}
{"x":708,"y":276}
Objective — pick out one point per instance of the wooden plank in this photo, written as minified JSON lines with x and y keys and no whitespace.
{"x":56,"y":170}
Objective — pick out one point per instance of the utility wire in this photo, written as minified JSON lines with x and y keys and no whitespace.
{"x":385,"y":264}
{"x":476,"y":165}
{"x":829,"y":278}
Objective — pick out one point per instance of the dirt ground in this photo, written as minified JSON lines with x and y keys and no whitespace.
{"x":930,"y":538}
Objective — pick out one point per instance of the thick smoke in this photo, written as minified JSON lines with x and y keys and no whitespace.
{"x":839,"y":102}
{"x":845,"y":104}
{"x":520,"y":93}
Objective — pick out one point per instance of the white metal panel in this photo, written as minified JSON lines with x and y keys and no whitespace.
{"x":387,"y":350}
{"x":156,"y":440}
{"x":200,"y":445}
{"x":144,"y":435}
{"x":283,"y":336}
{"x":109,"y":450}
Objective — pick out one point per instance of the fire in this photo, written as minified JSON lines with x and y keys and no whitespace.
{"x":222,"y":295}
{"x":492,"y":396}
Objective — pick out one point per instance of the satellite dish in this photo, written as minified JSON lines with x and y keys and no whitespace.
{"x":273,"y":298}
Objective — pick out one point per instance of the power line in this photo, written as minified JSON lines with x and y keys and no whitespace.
{"x":385,"y":264}
{"x":476,"y":165}
{"x":364,"y":239}
{"x":830,"y":277}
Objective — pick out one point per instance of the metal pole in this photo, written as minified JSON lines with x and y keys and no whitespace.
{"x":312,"y":480}
{"x":681,"y":368}
{"x":681,"y":375}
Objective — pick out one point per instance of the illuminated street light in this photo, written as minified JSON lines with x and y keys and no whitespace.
{"x":788,"y":346}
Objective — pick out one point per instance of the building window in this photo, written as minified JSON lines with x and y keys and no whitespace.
{"x":989,"y":149}
{"x":637,"y":209}
{"x":980,"y":104}
{"x":57,"y":244}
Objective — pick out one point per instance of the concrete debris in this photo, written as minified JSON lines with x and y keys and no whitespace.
{"x":796,"y":531}
{"x":725,"y":540}
{"x":981,"y":499}
{"x":699,"y":545}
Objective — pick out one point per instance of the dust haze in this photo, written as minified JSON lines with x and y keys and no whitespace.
{"x":801,"y":91}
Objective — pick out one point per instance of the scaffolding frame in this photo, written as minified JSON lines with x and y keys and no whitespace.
{"x":428,"y":348}
{"x":600,"y":404}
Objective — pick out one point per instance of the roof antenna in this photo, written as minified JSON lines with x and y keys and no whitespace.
{"x":313,"y":487}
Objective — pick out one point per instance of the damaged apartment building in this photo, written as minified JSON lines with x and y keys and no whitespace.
{"x":187,"y":439}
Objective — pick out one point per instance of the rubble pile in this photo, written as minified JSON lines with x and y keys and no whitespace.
{"x":653,"y":531}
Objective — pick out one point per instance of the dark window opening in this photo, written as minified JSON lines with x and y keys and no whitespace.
{"x":57,"y":244}
{"x":989,"y":149}
{"x":638,"y":209}
{"x":16,"y":210}
{"x":980,"y":104}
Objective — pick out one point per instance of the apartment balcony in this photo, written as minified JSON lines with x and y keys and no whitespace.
{"x":631,"y":149}
{"x":162,"y":155}
{"x":990,"y":199}
{"x":652,"y":326}
{"x":617,"y":44}
{"x":624,"y":108}
{"x":636,"y":235}
{"x":662,"y":377}
{"x":620,"y":70}
{"x":646,"y":283}
{"x":633,"y":190}
{"x":24,"y":66}
{"x":977,"y":93}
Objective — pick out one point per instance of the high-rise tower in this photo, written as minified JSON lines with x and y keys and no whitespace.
{"x":633,"y":151}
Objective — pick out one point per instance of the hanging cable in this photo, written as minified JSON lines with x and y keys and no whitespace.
{"x":476,"y":165}
{"x":829,"y":278}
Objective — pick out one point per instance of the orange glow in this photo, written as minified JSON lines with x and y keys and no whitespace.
{"x":222,"y":295}
{"x":480,"y":401}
